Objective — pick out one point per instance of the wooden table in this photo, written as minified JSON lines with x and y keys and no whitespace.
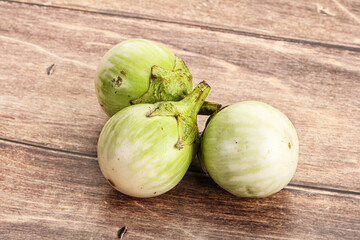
{"x":302,"y":57}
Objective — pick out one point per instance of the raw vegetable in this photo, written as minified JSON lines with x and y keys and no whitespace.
{"x":250,"y":149}
{"x":144,"y":150}
{"x":141,"y":71}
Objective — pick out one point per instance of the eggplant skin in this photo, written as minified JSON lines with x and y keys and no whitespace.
{"x":123,"y":73}
{"x":250,"y":149}
{"x":137,"y":154}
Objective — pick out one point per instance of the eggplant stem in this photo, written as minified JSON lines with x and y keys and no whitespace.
{"x":185,"y":112}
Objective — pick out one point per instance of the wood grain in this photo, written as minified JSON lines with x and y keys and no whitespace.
{"x":46,"y":194}
{"x":334,"y":22}
{"x":315,"y":86}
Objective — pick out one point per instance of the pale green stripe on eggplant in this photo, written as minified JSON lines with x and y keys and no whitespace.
{"x":175,"y":167}
{"x":256,"y":121}
{"x":175,"y":178}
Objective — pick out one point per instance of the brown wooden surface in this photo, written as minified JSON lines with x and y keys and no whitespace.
{"x":287,"y":54}
{"x":323,"y":21}
{"x":71,"y":200}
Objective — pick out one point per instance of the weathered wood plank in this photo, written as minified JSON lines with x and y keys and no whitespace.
{"x":316,"y":87}
{"x":327,"y":21}
{"x":46,"y":194}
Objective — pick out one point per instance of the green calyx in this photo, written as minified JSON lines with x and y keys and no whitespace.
{"x":174,"y":85}
{"x":185,"y":112}
{"x":167,"y":85}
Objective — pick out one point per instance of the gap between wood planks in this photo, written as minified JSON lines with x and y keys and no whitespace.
{"x":290,"y":187}
{"x":201,"y":26}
